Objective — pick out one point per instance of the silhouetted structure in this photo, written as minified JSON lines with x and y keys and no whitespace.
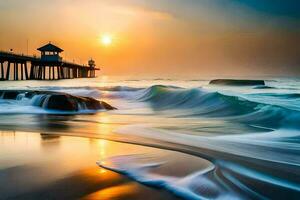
{"x":92,"y":66}
{"x":50,"y":53}
{"x":50,"y":66}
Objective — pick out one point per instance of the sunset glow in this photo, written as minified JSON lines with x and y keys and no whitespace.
{"x":106,"y":40}
{"x":185,"y":37}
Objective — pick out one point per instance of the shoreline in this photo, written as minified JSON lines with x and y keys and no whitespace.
{"x":87,"y":184}
{"x":79,"y":182}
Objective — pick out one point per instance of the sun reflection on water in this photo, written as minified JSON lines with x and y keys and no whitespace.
{"x":124,"y":190}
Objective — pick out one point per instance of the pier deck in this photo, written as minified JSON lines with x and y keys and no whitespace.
{"x":24,"y":67}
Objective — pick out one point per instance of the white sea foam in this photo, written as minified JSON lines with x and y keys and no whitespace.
{"x":263,"y":147}
{"x":194,"y":186}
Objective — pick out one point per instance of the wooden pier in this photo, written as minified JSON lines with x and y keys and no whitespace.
{"x":49,"y":66}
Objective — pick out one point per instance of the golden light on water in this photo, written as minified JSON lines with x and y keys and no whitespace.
{"x":114,"y":192}
{"x":102,"y":144}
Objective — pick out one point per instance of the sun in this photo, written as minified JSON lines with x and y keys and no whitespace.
{"x":106,"y":40}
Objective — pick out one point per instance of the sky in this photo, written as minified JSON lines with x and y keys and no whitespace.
{"x":161,"y":37}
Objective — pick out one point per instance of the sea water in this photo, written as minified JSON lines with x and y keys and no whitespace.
{"x":250,"y":134}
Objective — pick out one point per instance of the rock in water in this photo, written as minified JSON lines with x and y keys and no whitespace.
{"x":234,"y":82}
{"x":10,"y":94}
{"x":58,"y":100}
{"x":106,"y":106}
{"x":66,"y":102}
{"x":93,"y":104}
{"x":62,"y":102}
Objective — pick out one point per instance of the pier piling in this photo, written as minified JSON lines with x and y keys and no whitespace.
{"x":2,"y":71}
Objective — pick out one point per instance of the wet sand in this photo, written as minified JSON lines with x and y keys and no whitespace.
{"x":89,"y":183}
{"x":43,"y":166}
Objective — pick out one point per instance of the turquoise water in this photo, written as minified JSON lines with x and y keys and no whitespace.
{"x":249,"y":133}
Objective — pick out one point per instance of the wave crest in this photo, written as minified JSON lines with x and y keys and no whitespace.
{"x":198,"y":102}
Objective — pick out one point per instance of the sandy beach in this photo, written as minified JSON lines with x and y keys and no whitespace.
{"x":42,"y":166}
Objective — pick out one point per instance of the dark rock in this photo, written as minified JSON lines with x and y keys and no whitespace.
{"x":90,"y":103}
{"x":58,"y":100}
{"x":106,"y":106}
{"x":93,"y":104}
{"x":62,"y":102}
{"x":10,"y":94}
{"x":233,"y":82}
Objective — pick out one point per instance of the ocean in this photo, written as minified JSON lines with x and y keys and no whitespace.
{"x":247,"y":136}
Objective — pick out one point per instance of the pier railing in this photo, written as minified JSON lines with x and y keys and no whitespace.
{"x":55,"y":69}
{"x":34,"y":57}
{"x":9,"y":54}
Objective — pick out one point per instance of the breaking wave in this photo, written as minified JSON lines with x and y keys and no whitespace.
{"x":198,"y":102}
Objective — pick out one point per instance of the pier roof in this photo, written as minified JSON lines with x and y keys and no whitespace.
{"x":50,"y":48}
